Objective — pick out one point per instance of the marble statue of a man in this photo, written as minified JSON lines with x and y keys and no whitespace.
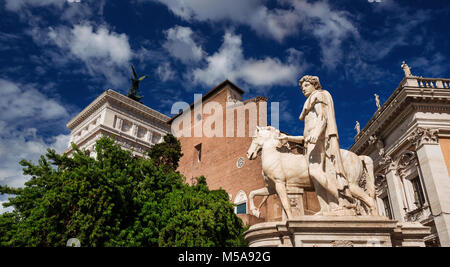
{"x":357,"y":127}
{"x":322,"y":142}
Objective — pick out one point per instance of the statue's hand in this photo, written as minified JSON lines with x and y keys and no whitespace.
{"x":311,"y":139}
{"x":256,"y":212}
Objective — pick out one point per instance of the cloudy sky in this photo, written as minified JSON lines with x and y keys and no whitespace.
{"x":56,"y":56}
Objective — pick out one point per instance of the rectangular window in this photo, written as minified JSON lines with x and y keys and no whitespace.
{"x":198,"y":149}
{"x":156,"y":138}
{"x":241,"y":208}
{"x":387,"y":207}
{"x":418,"y":192}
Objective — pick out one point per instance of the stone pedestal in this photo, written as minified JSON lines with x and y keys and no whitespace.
{"x":330,"y":231}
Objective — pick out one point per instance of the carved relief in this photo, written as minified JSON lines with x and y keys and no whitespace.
{"x":379,"y":144}
{"x":405,"y":161}
{"x":424,"y":136}
{"x":388,"y":163}
{"x":415,"y":215}
{"x":342,"y":243}
{"x":381,"y":186}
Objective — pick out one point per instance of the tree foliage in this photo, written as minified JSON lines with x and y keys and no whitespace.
{"x":116,"y":199}
{"x":167,"y":154}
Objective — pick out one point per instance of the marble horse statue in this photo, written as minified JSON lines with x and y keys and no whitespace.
{"x":280,"y":168}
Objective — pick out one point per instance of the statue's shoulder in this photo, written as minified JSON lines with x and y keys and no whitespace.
{"x":320,"y":96}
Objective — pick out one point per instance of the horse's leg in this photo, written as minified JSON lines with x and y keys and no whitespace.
{"x":370,"y":178}
{"x":359,"y":193}
{"x":322,"y":197}
{"x":259,"y":192}
{"x":367,"y":163}
{"x":280,"y":187}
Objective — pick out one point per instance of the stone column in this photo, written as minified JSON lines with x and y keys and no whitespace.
{"x":435,"y":179}
{"x":395,"y":190}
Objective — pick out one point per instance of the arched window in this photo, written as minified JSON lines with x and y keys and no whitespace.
{"x":241,"y":203}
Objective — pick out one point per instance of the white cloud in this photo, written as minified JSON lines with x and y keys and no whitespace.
{"x":22,"y":110}
{"x":274,"y":23}
{"x":3,"y":209}
{"x":181,"y":45}
{"x":21,"y":103}
{"x":16,"y":5}
{"x":229,"y":62}
{"x":104,"y":53}
{"x":331,"y":27}
{"x":165,"y":72}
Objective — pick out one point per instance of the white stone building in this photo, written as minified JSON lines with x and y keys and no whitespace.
{"x":133,"y":125}
{"x":408,"y":138}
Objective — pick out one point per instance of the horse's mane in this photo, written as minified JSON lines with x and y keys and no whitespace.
{"x":272,"y":129}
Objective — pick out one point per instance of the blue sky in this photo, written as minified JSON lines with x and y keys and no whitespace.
{"x":56,"y":56}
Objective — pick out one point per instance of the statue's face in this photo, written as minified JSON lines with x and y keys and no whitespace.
{"x":307,"y":88}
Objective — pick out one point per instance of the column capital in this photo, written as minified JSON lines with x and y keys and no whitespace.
{"x":424,"y":136}
{"x":388,"y":163}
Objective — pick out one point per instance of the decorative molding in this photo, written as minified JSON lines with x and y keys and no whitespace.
{"x":431,"y":96}
{"x":342,"y":243}
{"x":113,"y":96}
{"x":388,"y":163}
{"x":240,"y":162}
{"x":378,"y":142}
{"x":404,"y":162}
{"x":416,"y":215}
{"x":424,"y":136}
{"x":380,"y":181}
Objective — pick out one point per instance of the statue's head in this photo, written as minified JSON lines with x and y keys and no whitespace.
{"x":309,"y":84}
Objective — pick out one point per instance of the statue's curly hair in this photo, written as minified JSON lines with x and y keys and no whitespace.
{"x":314,"y":80}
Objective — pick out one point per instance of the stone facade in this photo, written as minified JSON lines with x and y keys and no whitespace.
{"x":408,"y":139}
{"x":133,"y":125}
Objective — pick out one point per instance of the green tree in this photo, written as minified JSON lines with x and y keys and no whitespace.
{"x":167,"y":153}
{"x":116,"y":199}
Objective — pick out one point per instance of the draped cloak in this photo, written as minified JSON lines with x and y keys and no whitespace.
{"x":331,"y":134}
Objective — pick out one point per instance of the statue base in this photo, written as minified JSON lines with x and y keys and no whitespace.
{"x":336,"y":231}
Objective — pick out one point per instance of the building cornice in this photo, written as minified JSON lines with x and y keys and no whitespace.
{"x":111,"y":96}
{"x":413,"y":94}
{"x":103,"y":129}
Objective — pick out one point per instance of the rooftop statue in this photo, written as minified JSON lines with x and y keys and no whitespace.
{"x":377,"y":101}
{"x":406,"y":69}
{"x":133,"y":93}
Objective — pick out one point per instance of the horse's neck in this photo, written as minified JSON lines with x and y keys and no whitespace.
{"x":269,"y":152}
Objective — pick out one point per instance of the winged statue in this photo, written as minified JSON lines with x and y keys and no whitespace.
{"x":133,"y":93}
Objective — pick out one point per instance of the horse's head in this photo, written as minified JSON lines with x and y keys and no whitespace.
{"x":263,"y":136}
